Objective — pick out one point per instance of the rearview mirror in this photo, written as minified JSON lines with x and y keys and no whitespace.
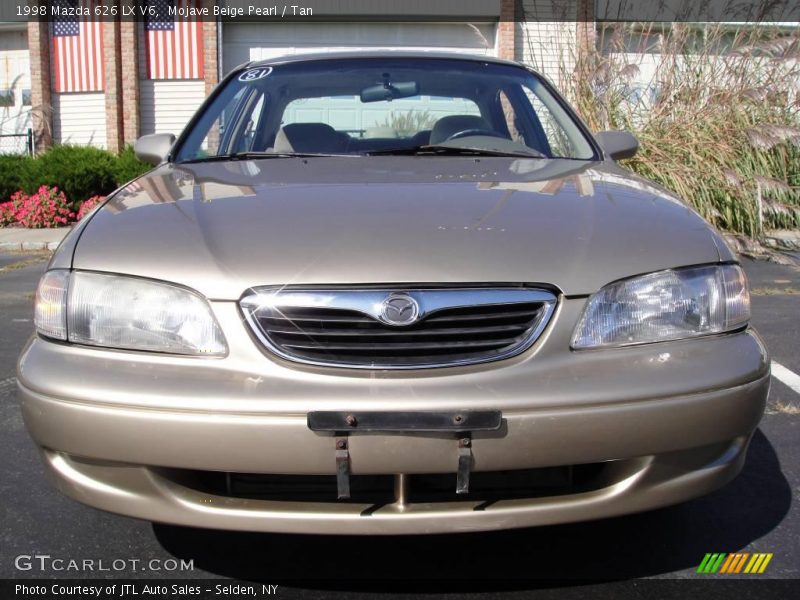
{"x":390,"y":91}
{"x":618,"y":144}
{"x":154,"y":148}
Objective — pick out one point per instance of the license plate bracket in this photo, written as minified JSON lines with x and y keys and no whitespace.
{"x":462,"y":424}
{"x":342,"y":422}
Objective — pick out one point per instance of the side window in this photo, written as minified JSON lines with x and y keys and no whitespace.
{"x":236,"y":127}
{"x":251,"y":128}
{"x":561,"y":145}
{"x":510,"y":116}
{"x":210,"y":146}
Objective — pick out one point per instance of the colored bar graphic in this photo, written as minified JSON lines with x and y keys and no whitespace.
{"x":740,"y":563}
{"x":702,"y":568}
{"x":728,"y":563}
{"x":731,"y":564}
{"x":765,"y":563}
{"x":711,"y":563}
{"x":720,"y":562}
{"x":754,"y":564}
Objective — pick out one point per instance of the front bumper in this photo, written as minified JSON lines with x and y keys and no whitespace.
{"x":668,"y":421}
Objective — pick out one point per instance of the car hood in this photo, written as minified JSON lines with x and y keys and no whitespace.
{"x":223,"y":227}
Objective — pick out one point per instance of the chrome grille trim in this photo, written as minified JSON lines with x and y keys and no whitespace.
{"x":319,"y":326}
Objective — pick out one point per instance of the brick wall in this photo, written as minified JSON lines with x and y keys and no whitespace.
{"x":130,"y":33}
{"x":506,"y":30}
{"x":123,"y":118}
{"x":113,"y":85}
{"x":41,"y":100}
{"x":210,"y":51}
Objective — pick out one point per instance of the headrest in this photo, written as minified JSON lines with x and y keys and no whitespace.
{"x":309,"y":137}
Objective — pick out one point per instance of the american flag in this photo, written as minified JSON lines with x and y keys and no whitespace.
{"x":78,"y":49}
{"x":174,"y":45}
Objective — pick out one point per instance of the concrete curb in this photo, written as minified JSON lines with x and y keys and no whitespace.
{"x":787,"y":239}
{"x":19,"y":239}
{"x":756,"y":250}
{"x":28,"y":246}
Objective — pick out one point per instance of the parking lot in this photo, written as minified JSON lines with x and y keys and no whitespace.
{"x":755,"y":513}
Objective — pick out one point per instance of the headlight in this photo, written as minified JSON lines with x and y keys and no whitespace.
{"x":126,"y":313}
{"x":667,"y":305}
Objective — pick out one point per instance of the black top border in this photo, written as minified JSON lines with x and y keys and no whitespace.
{"x":785,"y":12}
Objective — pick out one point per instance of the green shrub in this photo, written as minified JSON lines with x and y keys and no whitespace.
{"x":129,"y":167}
{"x":80,"y":171}
{"x":16,"y":175}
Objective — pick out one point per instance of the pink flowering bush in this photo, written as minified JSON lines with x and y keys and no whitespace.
{"x":8,"y":214}
{"x":48,"y":207}
{"x":9,"y":210}
{"x":88,"y":205}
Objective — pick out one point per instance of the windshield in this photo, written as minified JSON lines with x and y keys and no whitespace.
{"x":370,"y":106}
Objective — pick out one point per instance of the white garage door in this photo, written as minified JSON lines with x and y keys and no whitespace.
{"x":242,"y":42}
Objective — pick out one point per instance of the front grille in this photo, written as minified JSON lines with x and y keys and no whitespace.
{"x":354,"y":328}
{"x":379,"y":489}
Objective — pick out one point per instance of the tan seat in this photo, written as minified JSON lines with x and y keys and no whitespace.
{"x":309,"y":137}
{"x":447,"y":126}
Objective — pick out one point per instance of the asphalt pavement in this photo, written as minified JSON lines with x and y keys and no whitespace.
{"x":757,"y":512}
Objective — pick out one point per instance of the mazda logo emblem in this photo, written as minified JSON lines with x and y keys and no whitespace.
{"x":399,"y":309}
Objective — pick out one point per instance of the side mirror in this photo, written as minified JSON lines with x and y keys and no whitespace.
{"x":153,"y":148}
{"x":618,"y":144}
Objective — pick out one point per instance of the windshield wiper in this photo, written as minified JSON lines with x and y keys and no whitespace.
{"x":252,"y":155}
{"x":444,"y":150}
{"x":438,"y":150}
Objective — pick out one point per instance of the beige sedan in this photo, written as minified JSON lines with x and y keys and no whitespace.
{"x":390,"y":293}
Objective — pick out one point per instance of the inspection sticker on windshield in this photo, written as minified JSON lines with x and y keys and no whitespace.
{"x":255,"y":74}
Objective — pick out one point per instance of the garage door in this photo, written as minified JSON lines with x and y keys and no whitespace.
{"x":242,"y":42}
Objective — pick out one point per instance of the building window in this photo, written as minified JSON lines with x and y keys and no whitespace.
{"x":6,"y":97}
{"x":26,"y":97}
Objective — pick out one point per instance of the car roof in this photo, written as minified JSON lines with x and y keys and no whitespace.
{"x":378,"y":54}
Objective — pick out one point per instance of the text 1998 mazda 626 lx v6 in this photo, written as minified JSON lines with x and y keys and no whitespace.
{"x":390,"y":293}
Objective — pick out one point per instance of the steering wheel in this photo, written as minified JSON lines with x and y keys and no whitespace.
{"x":474,"y":131}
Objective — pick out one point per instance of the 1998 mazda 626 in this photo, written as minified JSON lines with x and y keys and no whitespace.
{"x":390,"y":293}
